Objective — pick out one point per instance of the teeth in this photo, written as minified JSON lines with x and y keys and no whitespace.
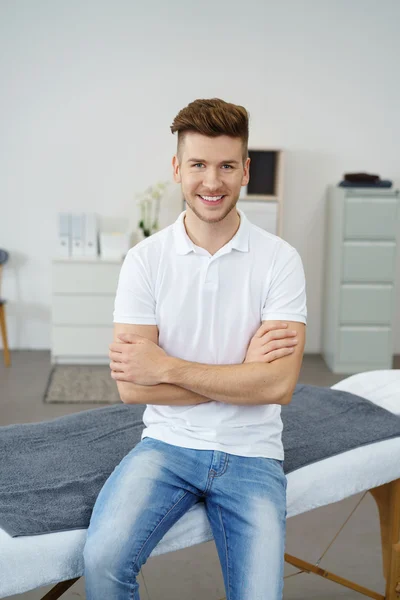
{"x":211,"y":198}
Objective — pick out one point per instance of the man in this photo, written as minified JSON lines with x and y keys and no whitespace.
{"x":188,"y":344}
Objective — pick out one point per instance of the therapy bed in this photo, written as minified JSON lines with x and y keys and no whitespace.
{"x":29,"y":562}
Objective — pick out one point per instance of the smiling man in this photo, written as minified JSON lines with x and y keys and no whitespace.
{"x":199,"y":339}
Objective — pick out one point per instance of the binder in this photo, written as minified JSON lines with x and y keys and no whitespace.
{"x":63,"y":247}
{"x":91,"y":236}
{"x":78,"y":234}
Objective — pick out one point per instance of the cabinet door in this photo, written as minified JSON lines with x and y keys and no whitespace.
{"x":364,"y":304}
{"x":81,"y":341}
{"x":83,"y":310}
{"x":85,"y":278}
{"x":369,"y":262}
{"x":371,"y":218}
{"x":364,"y":345}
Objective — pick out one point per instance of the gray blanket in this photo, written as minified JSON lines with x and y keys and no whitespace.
{"x":52,"y":472}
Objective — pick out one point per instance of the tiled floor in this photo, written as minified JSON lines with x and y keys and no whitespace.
{"x":194,"y":573}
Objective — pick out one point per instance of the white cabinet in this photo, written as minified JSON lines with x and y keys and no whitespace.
{"x":361,"y":239}
{"x":83,"y":297}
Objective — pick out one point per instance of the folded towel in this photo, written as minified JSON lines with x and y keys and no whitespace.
{"x":383,"y":183}
{"x":365,"y":177}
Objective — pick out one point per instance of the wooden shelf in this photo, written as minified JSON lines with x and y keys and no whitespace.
{"x":259,"y":198}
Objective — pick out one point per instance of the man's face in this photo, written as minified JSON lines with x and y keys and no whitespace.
{"x":211,"y":167}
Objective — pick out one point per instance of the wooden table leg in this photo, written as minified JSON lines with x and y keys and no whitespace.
{"x":58,"y":590}
{"x":387,"y":498}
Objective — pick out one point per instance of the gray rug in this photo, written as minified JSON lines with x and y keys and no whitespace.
{"x":81,"y":384}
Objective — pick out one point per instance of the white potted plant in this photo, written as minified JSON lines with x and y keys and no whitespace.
{"x":149,"y":203}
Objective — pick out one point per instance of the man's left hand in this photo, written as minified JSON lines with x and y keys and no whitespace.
{"x":137,"y":360}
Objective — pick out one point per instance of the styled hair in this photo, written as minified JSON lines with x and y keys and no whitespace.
{"x":212,"y":117}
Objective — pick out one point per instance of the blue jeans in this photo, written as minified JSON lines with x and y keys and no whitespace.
{"x":155,"y":484}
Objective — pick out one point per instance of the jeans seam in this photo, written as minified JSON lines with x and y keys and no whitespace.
{"x":228,"y":591}
{"x":155,"y":529}
{"x":212,"y":475}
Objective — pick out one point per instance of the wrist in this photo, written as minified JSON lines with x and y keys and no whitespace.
{"x":171,"y":364}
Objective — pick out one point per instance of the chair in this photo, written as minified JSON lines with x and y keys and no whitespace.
{"x":3,"y":328}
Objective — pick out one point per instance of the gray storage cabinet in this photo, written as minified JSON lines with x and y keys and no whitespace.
{"x":359,"y":293}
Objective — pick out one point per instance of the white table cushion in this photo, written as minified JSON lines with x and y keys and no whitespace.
{"x":35,"y":561}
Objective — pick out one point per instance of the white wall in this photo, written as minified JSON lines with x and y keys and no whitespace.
{"x":90,"y":89}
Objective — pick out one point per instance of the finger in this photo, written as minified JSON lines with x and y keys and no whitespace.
{"x":280,"y":343}
{"x":271,"y":356}
{"x":118,"y":376}
{"x":116,"y":366}
{"x":116,"y":356}
{"x":269,"y":326}
{"x":115,"y":347}
{"x":278,"y":334}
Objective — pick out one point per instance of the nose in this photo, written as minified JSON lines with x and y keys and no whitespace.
{"x":211,"y":181}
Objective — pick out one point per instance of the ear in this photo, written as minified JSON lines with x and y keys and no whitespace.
{"x":176,"y":169}
{"x":246,"y":172}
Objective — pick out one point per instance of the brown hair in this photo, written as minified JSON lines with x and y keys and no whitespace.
{"x":212,"y":117}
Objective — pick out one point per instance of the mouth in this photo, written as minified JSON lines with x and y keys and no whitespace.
{"x":211,"y":200}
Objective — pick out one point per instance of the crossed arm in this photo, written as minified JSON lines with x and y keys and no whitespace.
{"x":153,"y":377}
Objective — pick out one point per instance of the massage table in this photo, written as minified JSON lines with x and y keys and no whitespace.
{"x":30,"y":562}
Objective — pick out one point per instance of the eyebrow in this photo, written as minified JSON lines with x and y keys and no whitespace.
{"x":224,"y":162}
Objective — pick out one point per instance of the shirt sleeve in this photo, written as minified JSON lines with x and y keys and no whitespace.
{"x":286,"y":298}
{"x":134,"y":301}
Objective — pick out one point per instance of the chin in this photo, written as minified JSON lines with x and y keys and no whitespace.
{"x":214,"y":215}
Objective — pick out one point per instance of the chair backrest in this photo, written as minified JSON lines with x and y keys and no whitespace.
{"x":3,"y":256}
{"x":3,"y":260}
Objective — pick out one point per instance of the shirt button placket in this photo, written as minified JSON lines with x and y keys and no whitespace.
{"x":212,"y":276}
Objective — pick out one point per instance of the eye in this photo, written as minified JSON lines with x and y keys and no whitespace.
{"x":229,"y":166}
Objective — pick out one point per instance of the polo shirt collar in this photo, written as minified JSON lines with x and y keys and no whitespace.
{"x":240,"y":240}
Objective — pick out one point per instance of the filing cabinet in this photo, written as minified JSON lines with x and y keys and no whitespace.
{"x":359,"y":284}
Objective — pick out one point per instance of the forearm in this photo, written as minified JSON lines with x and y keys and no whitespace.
{"x":162,"y":394}
{"x":246,"y":383}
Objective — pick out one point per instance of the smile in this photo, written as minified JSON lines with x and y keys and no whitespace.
{"x":211,"y":199}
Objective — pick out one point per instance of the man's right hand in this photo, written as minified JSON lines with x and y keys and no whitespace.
{"x":271,"y":341}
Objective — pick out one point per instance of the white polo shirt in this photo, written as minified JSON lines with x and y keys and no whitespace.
{"x":207,"y":308}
